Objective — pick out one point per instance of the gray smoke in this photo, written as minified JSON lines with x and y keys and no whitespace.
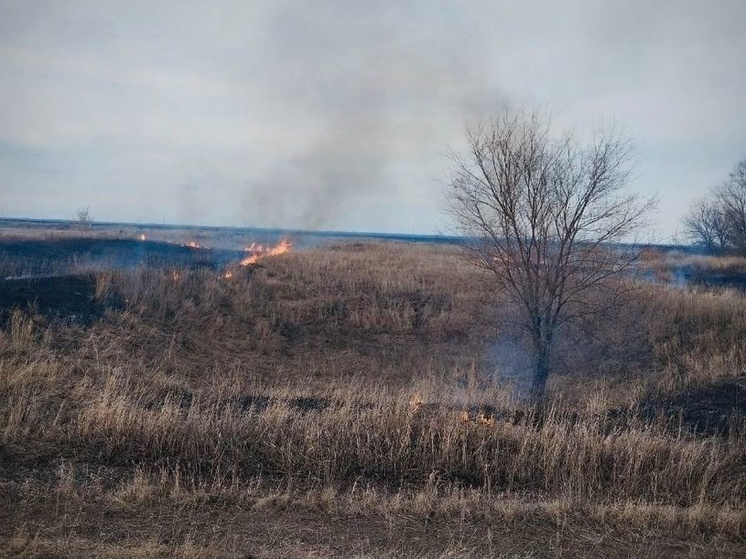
{"x":508,"y":360}
{"x":374,"y":83}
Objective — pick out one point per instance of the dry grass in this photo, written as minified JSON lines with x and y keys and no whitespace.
{"x":286,"y":392}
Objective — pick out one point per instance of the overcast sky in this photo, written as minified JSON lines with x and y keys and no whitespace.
{"x":337,"y":114}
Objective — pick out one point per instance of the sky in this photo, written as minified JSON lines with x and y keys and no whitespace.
{"x":340,"y":114}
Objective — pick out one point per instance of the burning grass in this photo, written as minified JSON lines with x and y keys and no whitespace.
{"x":258,"y":252}
{"x":347,"y":383}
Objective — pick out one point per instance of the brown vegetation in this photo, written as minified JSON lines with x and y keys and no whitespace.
{"x":312,"y":405}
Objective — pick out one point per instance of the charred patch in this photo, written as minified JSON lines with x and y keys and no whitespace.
{"x":733,"y":279}
{"x":309,"y":404}
{"x":712,"y":409}
{"x":253,"y":402}
{"x":65,"y":298}
{"x":62,"y":256}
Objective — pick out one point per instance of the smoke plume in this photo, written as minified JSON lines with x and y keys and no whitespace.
{"x":369,"y":86}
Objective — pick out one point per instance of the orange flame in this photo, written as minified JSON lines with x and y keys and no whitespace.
{"x":416,"y":402}
{"x":256,"y":253}
{"x":261,"y":251}
{"x":480,"y":418}
{"x":485,"y":419}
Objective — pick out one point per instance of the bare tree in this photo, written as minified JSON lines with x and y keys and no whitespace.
{"x":718,"y":222}
{"x":542,"y":213}
{"x":732,"y":197}
{"x":706,"y":225}
{"x":84,"y":219}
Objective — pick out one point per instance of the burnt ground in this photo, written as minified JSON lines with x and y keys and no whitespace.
{"x":711,"y":409}
{"x":66,"y":298}
{"x":55,"y":276}
{"x":734,"y":279}
{"x":691,"y":275}
{"x":53,"y":256}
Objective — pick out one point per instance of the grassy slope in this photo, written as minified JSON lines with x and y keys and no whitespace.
{"x":312,"y":406}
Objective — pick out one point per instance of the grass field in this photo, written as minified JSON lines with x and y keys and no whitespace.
{"x":364,"y":399}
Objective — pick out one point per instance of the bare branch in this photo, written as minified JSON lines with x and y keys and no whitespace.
{"x":718,"y":222}
{"x":541,"y":214}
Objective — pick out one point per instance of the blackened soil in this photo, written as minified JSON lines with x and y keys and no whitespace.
{"x":714,"y":409}
{"x":70,"y":298}
{"x":52,"y":256}
{"x":734,"y":279}
{"x":260,"y":403}
{"x":55,"y":276}
{"x":45,"y":274}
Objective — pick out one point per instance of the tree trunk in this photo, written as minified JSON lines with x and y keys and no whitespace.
{"x":541,"y":373}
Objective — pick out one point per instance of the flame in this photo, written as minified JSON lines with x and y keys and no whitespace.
{"x":175,"y":275}
{"x":193,"y":244}
{"x":416,"y":402}
{"x":485,"y":419}
{"x":482,"y":417}
{"x":142,"y":236}
{"x":258,"y":251}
